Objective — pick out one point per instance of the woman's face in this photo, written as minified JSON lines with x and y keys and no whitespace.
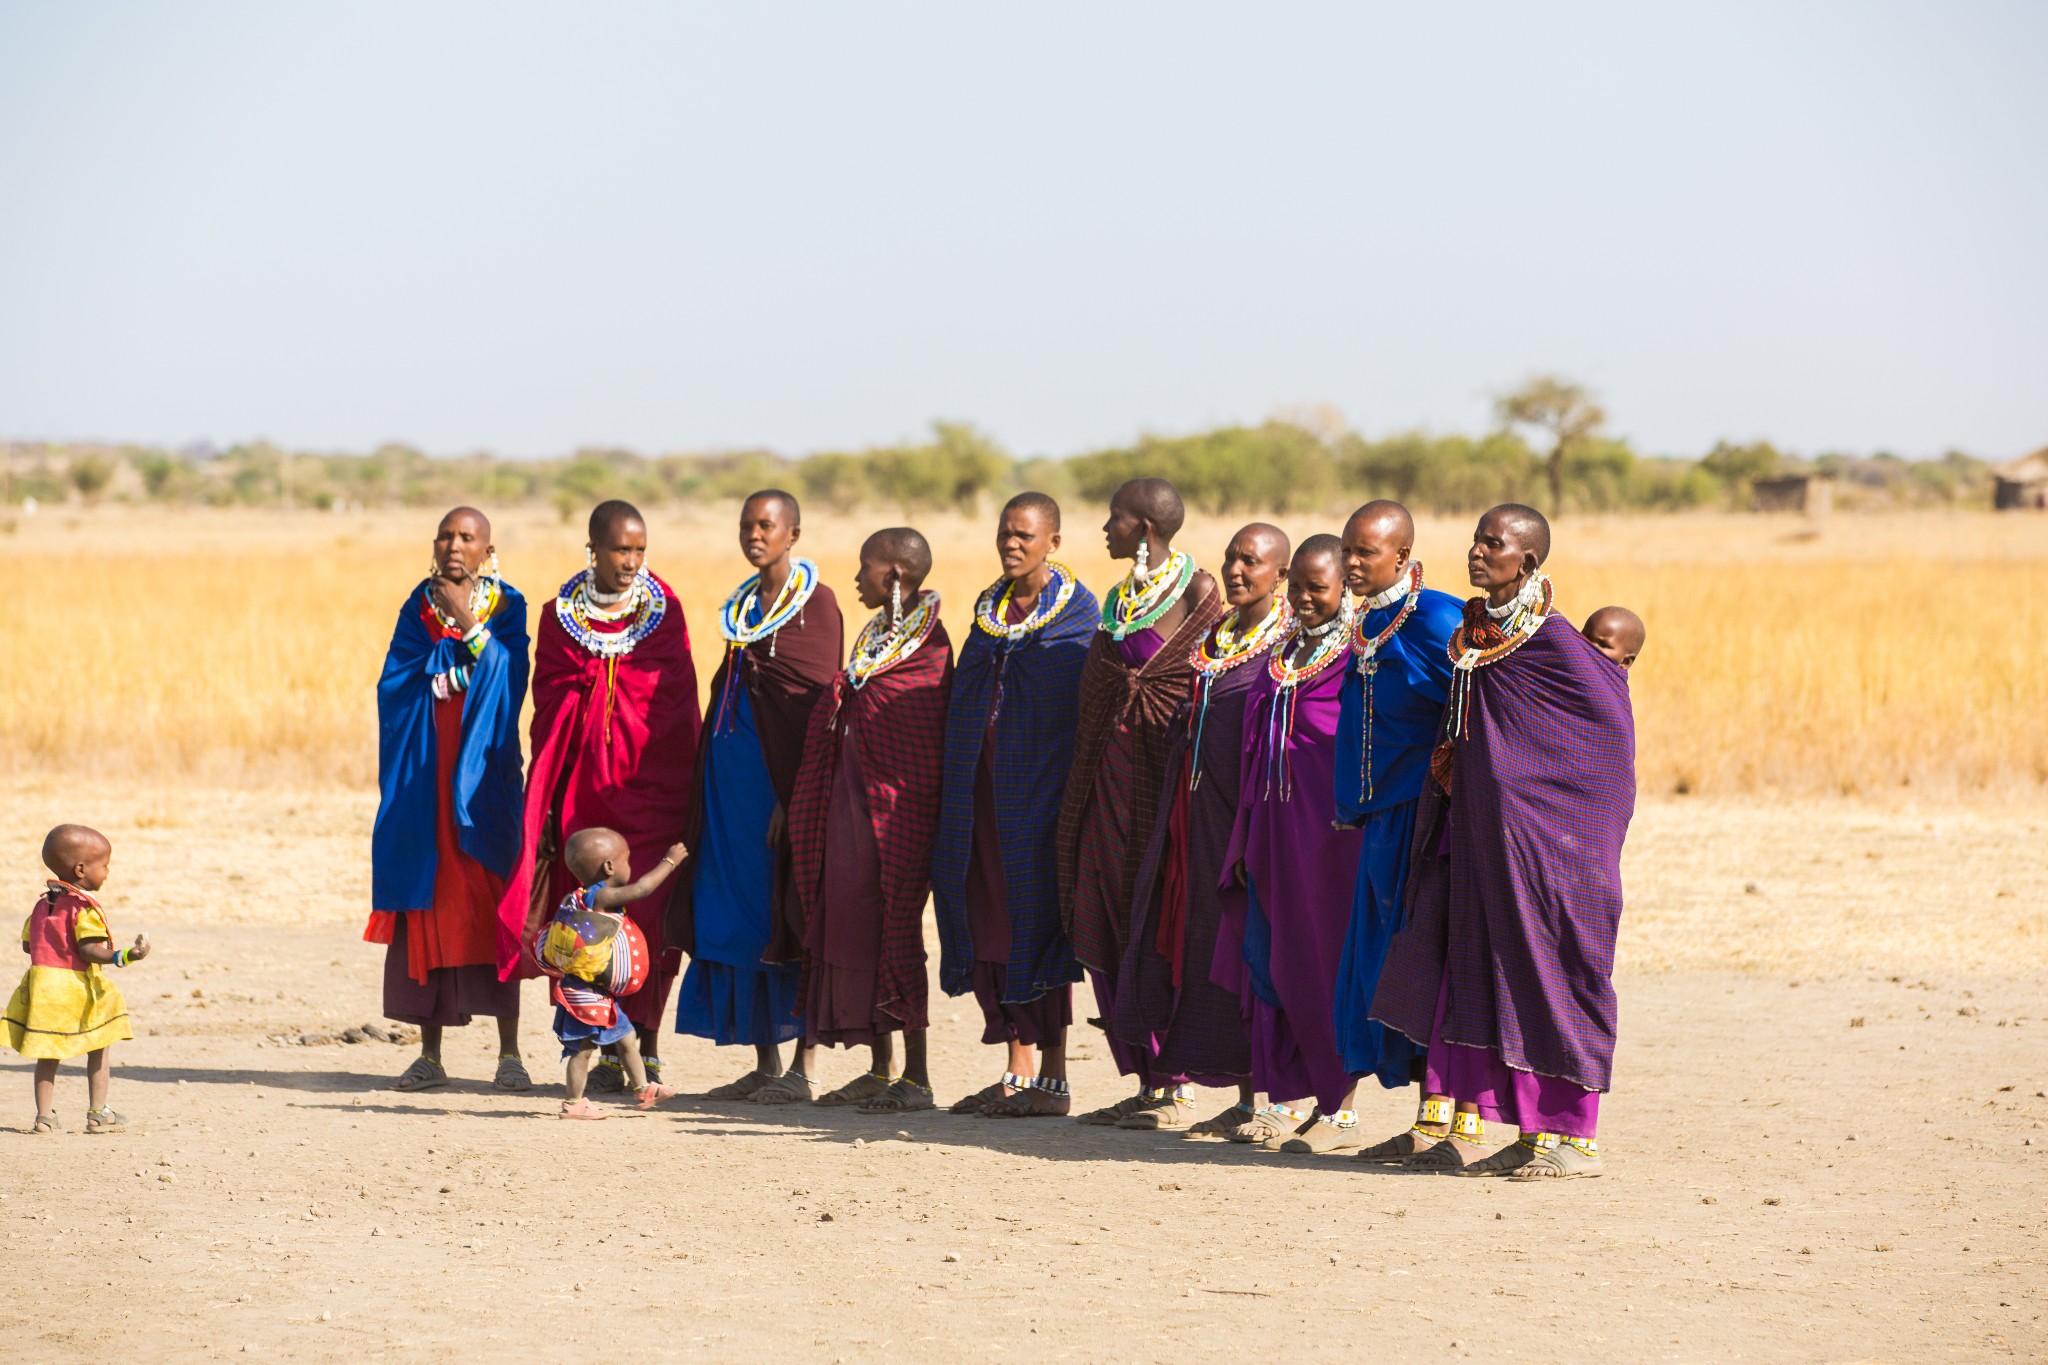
{"x":1122,"y":532}
{"x":1250,"y":569}
{"x":1315,"y":588}
{"x":619,"y":551}
{"x":461,"y":545}
{"x":871,"y":584}
{"x":767,"y":531}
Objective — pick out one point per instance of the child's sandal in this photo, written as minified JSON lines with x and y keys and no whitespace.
{"x":582,"y":1109}
{"x":45,"y":1123}
{"x":105,"y":1121}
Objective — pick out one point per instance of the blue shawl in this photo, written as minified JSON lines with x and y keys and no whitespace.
{"x":1408,"y":695}
{"x":487,"y":794}
{"x":1034,"y":747}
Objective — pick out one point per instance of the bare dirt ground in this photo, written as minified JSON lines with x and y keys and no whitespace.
{"x":1826,"y":1143}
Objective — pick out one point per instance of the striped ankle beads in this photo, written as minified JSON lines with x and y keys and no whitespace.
{"x":1468,"y":1127}
{"x":1544,"y":1142}
{"x":1012,"y":1081}
{"x":1049,"y":1086}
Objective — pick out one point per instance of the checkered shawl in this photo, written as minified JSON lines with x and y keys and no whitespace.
{"x":899,"y":727}
{"x":784,"y":676}
{"x":1522,"y":914}
{"x":1039,"y":679}
{"x":1096,"y":909}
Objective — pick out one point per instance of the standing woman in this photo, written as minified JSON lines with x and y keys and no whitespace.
{"x":447,"y":832}
{"x":734,"y":911}
{"x":614,"y":738}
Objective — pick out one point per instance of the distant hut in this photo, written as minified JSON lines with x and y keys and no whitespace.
{"x":2023,"y":483}
{"x":1809,"y":493}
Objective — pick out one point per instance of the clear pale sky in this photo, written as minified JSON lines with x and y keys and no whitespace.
{"x":818,"y":226}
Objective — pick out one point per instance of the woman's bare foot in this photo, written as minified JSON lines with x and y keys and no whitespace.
{"x":1029,"y":1103}
{"x":1401,"y":1146}
{"x":741,"y":1089}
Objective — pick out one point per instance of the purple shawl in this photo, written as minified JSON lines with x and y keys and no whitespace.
{"x":1519,"y":899}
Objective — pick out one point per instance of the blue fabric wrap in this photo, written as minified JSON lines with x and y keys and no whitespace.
{"x":1370,"y":1048}
{"x":728,"y":994}
{"x":1408,"y":695}
{"x":1034,"y":747}
{"x":487,"y":794}
{"x":1258,"y":946}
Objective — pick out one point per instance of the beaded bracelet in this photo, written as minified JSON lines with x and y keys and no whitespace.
{"x":121,"y":957}
{"x":478,"y":638}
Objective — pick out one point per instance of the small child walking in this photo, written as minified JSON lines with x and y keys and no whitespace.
{"x":65,"y":1005}
{"x":593,"y":956}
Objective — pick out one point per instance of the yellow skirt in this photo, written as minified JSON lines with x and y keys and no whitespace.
{"x":58,"y":1012}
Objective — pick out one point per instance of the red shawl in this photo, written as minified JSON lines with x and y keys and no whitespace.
{"x":1145,"y":701}
{"x":624,"y":766}
{"x":899,"y":729}
{"x":784,"y":675}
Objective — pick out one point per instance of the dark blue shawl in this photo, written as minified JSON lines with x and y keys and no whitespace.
{"x":1034,"y":747}
{"x":487,"y":795}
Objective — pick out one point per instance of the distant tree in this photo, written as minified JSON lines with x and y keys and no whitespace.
{"x":90,"y":475}
{"x":1564,"y":412}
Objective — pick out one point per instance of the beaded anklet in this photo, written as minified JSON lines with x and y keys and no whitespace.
{"x":1298,"y":1115}
{"x":1544,"y":1142}
{"x":1344,"y":1118}
{"x":1468,"y":1127}
{"x":1049,"y":1086}
{"x":1435,"y":1111}
{"x":1012,"y":1081}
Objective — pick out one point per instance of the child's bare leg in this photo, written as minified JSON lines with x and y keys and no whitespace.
{"x":46,"y":1086}
{"x":629,"y":1058}
{"x":579,"y":1072}
{"x":914,"y":1069}
{"x":99,"y":1073}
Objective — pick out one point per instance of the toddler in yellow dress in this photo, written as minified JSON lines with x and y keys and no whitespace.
{"x":65,"y":1005}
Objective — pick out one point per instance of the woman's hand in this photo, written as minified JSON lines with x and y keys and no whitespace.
{"x":777,"y":823}
{"x":453,"y":602}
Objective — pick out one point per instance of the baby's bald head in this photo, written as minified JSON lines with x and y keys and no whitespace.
{"x":1616,"y":632}
{"x":77,"y":854}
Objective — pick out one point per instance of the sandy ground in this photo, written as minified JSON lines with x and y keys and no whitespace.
{"x":1827,"y":1143}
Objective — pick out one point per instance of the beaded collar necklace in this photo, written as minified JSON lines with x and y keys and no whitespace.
{"x":483,"y":602}
{"x":1221,"y":650}
{"x":1135,"y":604}
{"x":880,"y":646}
{"x":1487,"y":635}
{"x":1332,"y":639}
{"x":642,"y":607}
{"x":993,"y":605}
{"x":803,"y":581}
{"x":1366,"y":649}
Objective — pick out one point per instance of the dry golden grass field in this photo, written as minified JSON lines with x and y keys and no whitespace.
{"x":1827,"y":1141}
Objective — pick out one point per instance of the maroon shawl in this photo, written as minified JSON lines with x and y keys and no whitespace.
{"x":784,"y":675}
{"x":1143,"y":701}
{"x":899,"y":731}
{"x":612,"y":746}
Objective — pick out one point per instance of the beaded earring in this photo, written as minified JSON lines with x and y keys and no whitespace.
{"x":589,"y":557}
{"x":433,"y":567}
{"x":896,"y":602}
{"x":491,"y":565}
{"x":1142,"y":569}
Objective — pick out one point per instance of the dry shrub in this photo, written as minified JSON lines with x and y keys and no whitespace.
{"x":1860,"y":655}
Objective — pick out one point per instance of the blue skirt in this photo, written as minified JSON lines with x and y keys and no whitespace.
{"x":728,"y":995}
{"x":1370,"y":1048}
{"x":576,"y":1036}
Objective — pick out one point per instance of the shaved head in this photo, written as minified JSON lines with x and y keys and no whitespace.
{"x":1616,"y":632}
{"x":1530,"y":528}
{"x":588,"y":850}
{"x":903,"y":547}
{"x":609,"y":514}
{"x":788,"y":501}
{"x":1391,"y":519}
{"x":67,"y":846}
{"x":1041,"y":503}
{"x":1320,"y":546}
{"x":483,"y":522}
{"x":1271,"y":540}
{"x":1157,"y":501}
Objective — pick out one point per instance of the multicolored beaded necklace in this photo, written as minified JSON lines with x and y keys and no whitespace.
{"x":1485,"y":637}
{"x":993,"y":605}
{"x":881,"y":644}
{"x":1133,"y":605}
{"x":732,"y":617}
{"x":1332,"y":638}
{"x":1221,"y":650}
{"x":1366,"y":651}
{"x":642,"y":607}
{"x":483,"y":602}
